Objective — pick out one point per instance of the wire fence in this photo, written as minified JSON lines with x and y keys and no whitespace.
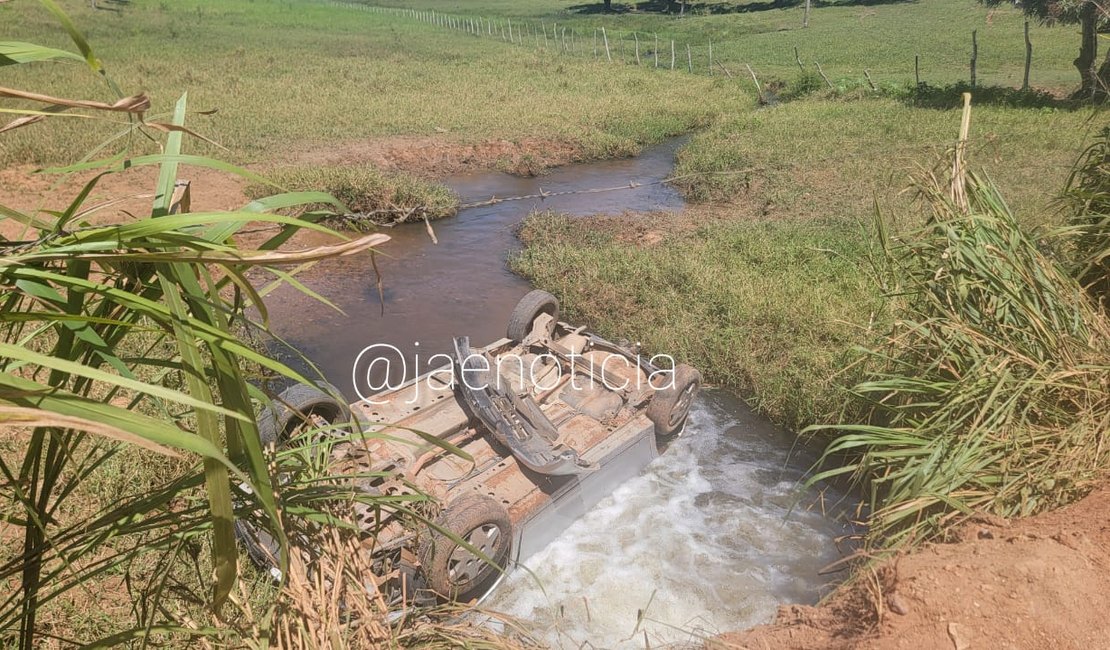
{"x":601,"y":44}
{"x":649,"y":49}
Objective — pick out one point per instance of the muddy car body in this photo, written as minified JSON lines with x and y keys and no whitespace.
{"x":548,"y":420}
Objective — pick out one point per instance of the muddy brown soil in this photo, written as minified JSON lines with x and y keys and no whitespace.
{"x":125,"y":196}
{"x":1041,"y":583}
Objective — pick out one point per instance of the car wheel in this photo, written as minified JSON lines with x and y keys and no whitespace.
{"x":670,"y":406}
{"x":452,"y":571}
{"x":296,"y":406}
{"x":528,"y":309}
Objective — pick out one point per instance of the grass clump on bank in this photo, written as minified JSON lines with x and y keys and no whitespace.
{"x":369,"y":193}
{"x":991,"y":393}
{"x":1088,"y":197}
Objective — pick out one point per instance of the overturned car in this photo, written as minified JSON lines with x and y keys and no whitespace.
{"x":531,"y":431}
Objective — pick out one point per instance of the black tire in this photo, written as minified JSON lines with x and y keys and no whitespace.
{"x":279,"y":421}
{"x":530,"y":306}
{"x":452,"y":571}
{"x":670,"y":406}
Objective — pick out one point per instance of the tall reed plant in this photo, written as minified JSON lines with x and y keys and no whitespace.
{"x":991,"y":394}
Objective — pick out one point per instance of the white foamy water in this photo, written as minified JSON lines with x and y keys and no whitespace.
{"x":712,"y":537}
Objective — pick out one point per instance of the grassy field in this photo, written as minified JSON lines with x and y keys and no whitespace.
{"x":845,"y":37}
{"x":287,"y":77}
{"x":770,"y":308}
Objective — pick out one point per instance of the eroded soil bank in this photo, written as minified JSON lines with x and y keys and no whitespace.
{"x":1037,"y":583}
{"x":130,"y":193}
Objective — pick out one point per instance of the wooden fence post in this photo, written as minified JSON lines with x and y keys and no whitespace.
{"x":822,"y":73}
{"x":1028,"y":57}
{"x":710,"y":57}
{"x":635,"y":36}
{"x":656,"y":50}
{"x":689,"y":59}
{"x":605,"y":38}
{"x":758,"y":90}
{"x":672,"y":54}
{"x":974,"y":54}
{"x":917,"y":69}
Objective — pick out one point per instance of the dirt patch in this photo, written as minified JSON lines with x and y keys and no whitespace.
{"x":131,"y":193}
{"x":125,"y":196}
{"x":437,"y":156}
{"x":1038,"y":583}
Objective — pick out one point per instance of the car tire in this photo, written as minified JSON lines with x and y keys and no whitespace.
{"x":276,"y":424}
{"x":278,"y":420}
{"x":670,"y":406}
{"x":528,"y":309}
{"x":451,"y":570}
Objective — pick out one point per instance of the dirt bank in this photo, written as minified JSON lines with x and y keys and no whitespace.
{"x":130,"y":193}
{"x":434,"y":157}
{"x":1038,"y":583}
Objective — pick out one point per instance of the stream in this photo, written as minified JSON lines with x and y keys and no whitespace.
{"x":712,"y":537}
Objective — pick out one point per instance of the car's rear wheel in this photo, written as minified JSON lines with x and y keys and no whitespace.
{"x":452,"y":570}
{"x":296,"y":407}
{"x":532,"y":306}
{"x":670,"y":406}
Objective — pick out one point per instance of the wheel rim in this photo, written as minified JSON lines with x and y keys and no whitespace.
{"x":682,"y":406}
{"x":315,"y":418}
{"x":463,"y":566}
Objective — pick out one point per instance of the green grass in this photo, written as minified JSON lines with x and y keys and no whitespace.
{"x":844,"y":38}
{"x":381,"y":197}
{"x":832,"y":159}
{"x":989,"y":393}
{"x":287,"y":77}
{"x":768,"y":287}
{"x":770,"y":293}
{"x":770,"y":308}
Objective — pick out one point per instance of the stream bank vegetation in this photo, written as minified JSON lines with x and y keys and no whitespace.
{"x":771,"y":293}
{"x":991,"y":391}
{"x":373,"y":197}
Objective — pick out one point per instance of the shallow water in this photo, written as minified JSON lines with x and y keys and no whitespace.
{"x":712,"y":537}
{"x":460,"y":286}
{"x":702,"y":541}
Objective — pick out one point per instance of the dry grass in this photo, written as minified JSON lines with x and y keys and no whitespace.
{"x":330,"y":600}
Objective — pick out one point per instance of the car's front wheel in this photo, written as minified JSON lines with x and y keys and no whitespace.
{"x":670,"y":406}
{"x":452,"y":570}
